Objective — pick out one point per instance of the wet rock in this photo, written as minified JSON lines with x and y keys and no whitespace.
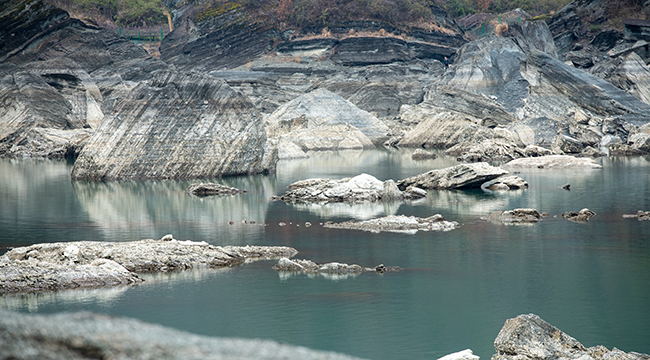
{"x":207,"y":189}
{"x":397,"y":223}
{"x":83,"y":335}
{"x":640,"y":215}
{"x":455,"y":177}
{"x":420,"y":154}
{"x":360,"y":188}
{"x":516,"y":216}
{"x":581,"y":216}
{"x":309,"y":266}
{"x":189,"y":125}
{"x":55,"y":266}
{"x":512,"y":182}
{"x":554,"y":162}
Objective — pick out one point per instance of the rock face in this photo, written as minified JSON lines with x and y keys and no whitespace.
{"x":528,"y":337}
{"x":56,"y":266}
{"x":177,"y":126}
{"x":455,"y":177}
{"x":581,"y":216}
{"x":554,"y":162}
{"x":82,"y":335}
{"x":397,"y":223}
{"x":321,"y":109}
{"x":309,"y":266}
{"x":360,"y":188}
{"x":207,"y":189}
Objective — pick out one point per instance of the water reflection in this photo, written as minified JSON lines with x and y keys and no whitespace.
{"x":358,"y":211}
{"x":286,"y":275}
{"x":33,"y":301}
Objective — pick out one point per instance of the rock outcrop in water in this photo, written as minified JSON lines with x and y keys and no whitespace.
{"x":516,"y":216}
{"x":83,"y":335}
{"x":455,"y":177}
{"x":554,"y":162}
{"x":397,"y":223}
{"x":56,"y":266}
{"x":581,"y":216}
{"x":640,"y":215}
{"x":308,"y":266}
{"x":177,"y":127}
{"x":208,"y":189}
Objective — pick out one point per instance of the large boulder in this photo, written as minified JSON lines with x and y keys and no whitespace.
{"x":455,"y":177}
{"x":177,"y":126}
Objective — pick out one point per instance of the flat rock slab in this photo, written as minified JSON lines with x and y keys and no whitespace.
{"x":208,"y":189}
{"x":308,"y":266}
{"x":83,"y":335}
{"x":554,"y":162}
{"x":455,"y":177}
{"x":360,"y":188}
{"x":55,"y":266}
{"x":397,"y":223}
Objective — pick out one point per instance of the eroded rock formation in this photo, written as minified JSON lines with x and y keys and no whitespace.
{"x":397,"y":223}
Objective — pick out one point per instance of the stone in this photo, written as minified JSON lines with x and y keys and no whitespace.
{"x":640,"y":215}
{"x":207,"y":189}
{"x":360,"y":188}
{"x":486,"y":150}
{"x":516,"y":216}
{"x":57,"y":266}
{"x":628,"y":72}
{"x":421,"y":154}
{"x":308,"y":266}
{"x":563,"y":144}
{"x":360,"y":51}
{"x":511,"y":182}
{"x":461,"y":355}
{"x":288,"y":150}
{"x":328,"y":137}
{"x":455,"y":177}
{"x":84,"y":335}
{"x":581,"y":216}
{"x":397,"y":223}
{"x":554,"y":162}
{"x":189,"y":125}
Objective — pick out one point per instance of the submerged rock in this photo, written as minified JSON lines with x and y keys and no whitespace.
{"x":640,"y":215}
{"x":528,"y":337}
{"x":308,"y":266}
{"x":516,"y":216}
{"x":207,"y":189}
{"x":554,"y":162}
{"x":360,"y":188}
{"x":397,"y":223}
{"x":83,"y":335}
{"x":55,"y":266}
{"x":455,"y":177}
{"x":581,"y":216}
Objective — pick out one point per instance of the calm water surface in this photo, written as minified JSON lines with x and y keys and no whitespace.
{"x":590,"y":280}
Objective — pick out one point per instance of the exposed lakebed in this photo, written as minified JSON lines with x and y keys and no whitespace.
{"x":455,"y":290}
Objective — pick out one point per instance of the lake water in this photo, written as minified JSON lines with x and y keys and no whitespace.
{"x":456,"y":290}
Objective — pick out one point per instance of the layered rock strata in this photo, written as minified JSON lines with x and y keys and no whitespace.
{"x":397,"y":223}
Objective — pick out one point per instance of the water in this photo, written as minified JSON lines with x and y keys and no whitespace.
{"x":590,"y":280}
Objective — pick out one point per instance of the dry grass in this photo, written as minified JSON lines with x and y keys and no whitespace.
{"x":500,"y":29}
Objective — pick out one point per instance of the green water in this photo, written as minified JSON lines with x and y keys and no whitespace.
{"x":455,"y":292}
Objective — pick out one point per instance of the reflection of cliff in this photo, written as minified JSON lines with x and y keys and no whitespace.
{"x":358,"y":211}
{"x":153,"y":209}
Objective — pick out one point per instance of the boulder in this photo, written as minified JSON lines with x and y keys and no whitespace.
{"x":511,"y":182}
{"x":421,"y":154}
{"x":56,"y":266}
{"x":207,"y":189}
{"x":321,"y":109}
{"x":486,"y":150}
{"x":554,"y":162}
{"x":360,"y":188}
{"x":455,"y":177}
{"x":461,"y":355}
{"x":188,"y":125}
{"x":397,"y":223}
{"x":516,"y":216}
{"x":563,"y":144}
{"x":309,"y":266}
{"x":581,"y":216}
{"x":83,"y":335}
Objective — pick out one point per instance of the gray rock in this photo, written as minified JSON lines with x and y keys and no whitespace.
{"x":55,"y":266}
{"x":397,"y":223}
{"x":455,"y":177}
{"x":640,"y":215}
{"x":511,"y":182}
{"x":83,"y":335}
{"x":563,"y":144}
{"x":628,"y":72}
{"x":288,"y":150}
{"x":581,"y":216}
{"x":308,"y":266}
{"x":189,"y":126}
{"x":360,"y":188}
{"x":421,"y":154}
{"x":207,"y":189}
{"x":486,"y":150}
{"x":554,"y":162}
{"x":362,"y":51}
{"x":516,"y":216}
{"x":328,"y":137}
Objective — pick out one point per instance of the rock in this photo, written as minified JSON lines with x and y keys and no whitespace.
{"x":207,"y":189}
{"x":322,"y":108}
{"x":554,"y":162}
{"x":360,"y":188}
{"x":309,"y":266}
{"x":397,"y":223}
{"x":461,"y":355}
{"x":640,"y":215}
{"x":420,"y":154}
{"x":328,"y":137}
{"x":512,"y":182}
{"x":360,"y":51}
{"x":528,"y":337}
{"x":190,"y":126}
{"x":605,"y":40}
{"x":486,"y":150}
{"x":536,"y":151}
{"x":83,"y":335}
{"x":288,"y":150}
{"x":581,"y":216}
{"x":455,"y":177}
{"x":56,"y":266}
{"x":516,"y":216}
{"x":563,"y":144}
{"x":628,"y":72}
{"x":566,"y":187}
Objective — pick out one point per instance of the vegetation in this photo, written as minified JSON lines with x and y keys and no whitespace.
{"x":126,"y":13}
{"x":460,"y":8}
